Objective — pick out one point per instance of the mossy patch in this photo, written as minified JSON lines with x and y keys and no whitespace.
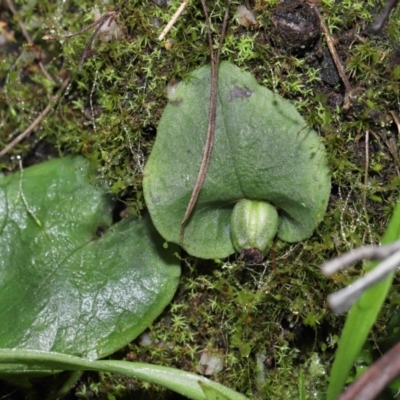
{"x":271,"y":321}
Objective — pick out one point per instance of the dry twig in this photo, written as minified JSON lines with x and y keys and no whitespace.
{"x":362,"y":253}
{"x":366,"y":166}
{"x":37,"y":120}
{"x":107,"y":17}
{"x":376,"y":378}
{"x":206,"y":157}
{"x":396,"y":120}
{"x":380,"y":21}
{"x":29,"y":40}
{"x":340,"y":301}
{"x":173,"y":19}
{"x":332,"y":49}
{"x":394,"y":148}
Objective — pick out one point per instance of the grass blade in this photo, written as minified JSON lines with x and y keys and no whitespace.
{"x":360,"y":319}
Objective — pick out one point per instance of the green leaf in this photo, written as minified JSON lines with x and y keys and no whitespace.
{"x":62,"y":287}
{"x":302,"y":386}
{"x":360,"y":319}
{"x":263,"y":150}
{"x":212,"y":393}
{"x":181,"y":382}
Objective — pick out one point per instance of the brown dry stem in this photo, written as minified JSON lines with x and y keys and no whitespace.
{"x":37,"y":120}
{"x":107,"y":17}
{"x":173,"y":19}
{"x":376,"y":378}
{"x":29,"y":40}
{"x":332,"y":49}
{"x":207,"y":150}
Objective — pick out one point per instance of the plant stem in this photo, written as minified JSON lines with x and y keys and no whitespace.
{"x":362,"y":253}
{"x":206,"y":157}
{"x":38,"y":119}
{"x":376,"y":378}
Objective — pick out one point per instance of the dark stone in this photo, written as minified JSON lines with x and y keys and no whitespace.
{"x":328,"y":71}
{"x":160,"y":3}
{"x":297,"y":26}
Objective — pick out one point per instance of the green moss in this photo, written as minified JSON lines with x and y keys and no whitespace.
{"x":271,"y":321}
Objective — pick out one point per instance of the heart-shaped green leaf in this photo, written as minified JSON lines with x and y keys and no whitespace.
{"x":263,"y":150}
{"x":69,"y":280}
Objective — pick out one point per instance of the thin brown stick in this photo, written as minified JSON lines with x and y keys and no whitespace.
{"x":37,"y":120}
{"x":376,"y":378}
{"x":394,"y":153}
{"x":88,"y":46}
{"x":173,"y":19}
{"x":390,"y":144}
{"x":366,"y":167}
{"x":29,"y":40}
{"x":397,"y":121}
{"x":380,"y":21}
{"x":73,"y":34}
{"x":207,"y":150}
{"x":106,"y":17}
{"x":224,"y":26}
{"x":332,"y":49}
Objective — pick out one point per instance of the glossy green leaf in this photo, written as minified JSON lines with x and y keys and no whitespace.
{"x":263,"y":150}
{"x":361,"y":318}
{"x":185,"y":383}
{"x":70,"y":281}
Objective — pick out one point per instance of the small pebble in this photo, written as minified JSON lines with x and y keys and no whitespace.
{"x":171,"y":87}
{"x":168,"y":44}
{"x":245,"y":17}
{"x":209,"y":364}
{"x":145,"y":339}
{"x":108,"y":31}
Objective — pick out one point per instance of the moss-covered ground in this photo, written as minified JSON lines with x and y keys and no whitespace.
{"x":270,"y":321}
